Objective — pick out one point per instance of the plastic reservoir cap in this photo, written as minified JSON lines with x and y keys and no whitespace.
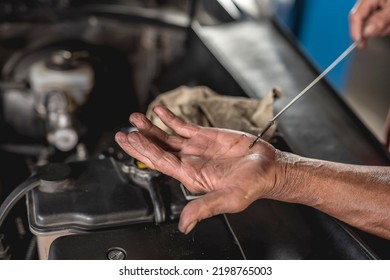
{"x":53,"y":172}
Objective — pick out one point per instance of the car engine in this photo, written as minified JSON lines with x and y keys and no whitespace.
{"x":71,"y":74}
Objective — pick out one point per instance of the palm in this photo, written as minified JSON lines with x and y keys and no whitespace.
{"x":216,"y":159}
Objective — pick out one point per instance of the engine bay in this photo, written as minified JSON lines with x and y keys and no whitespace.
{"x":71,"y":74}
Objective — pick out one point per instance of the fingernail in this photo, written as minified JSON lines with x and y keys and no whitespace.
{"x":369,"y":30}
{"x":163,"y":110}
{"x":157,"y":109}
{"x":190,"y":227}
{"x":119,"y":137}
{"x":133,"y":120}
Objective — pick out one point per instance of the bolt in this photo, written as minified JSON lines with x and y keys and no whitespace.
{"x":116,"y":254}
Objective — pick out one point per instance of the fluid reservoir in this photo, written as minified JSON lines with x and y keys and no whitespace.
{"x":61,"y":84}
{"x":63,"y":71}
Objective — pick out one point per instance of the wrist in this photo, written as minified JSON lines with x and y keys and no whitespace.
{"x":290,"y":178}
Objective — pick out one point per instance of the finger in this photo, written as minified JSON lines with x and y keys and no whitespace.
{"x":359,"y":14}
{"x":378,"y":24}
{"x":362,"y":43}
{"x":147,"y":128}
{"x":121,"y":139}
{"x":175,"y":123}
{"x":138,"y":146}
{"x":208,"y":205}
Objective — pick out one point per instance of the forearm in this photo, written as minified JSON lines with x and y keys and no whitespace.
{"x":357,"y":195}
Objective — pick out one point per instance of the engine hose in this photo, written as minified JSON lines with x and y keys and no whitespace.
{"x":10,"y":201}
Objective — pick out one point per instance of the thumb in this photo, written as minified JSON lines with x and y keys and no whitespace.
{"x":206,"y":206}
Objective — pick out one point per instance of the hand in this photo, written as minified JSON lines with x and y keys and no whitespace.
{"x":215,"y":162}
{"x":369,"y":18}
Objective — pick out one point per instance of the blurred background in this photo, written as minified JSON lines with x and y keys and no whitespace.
{"x":322,"y":29}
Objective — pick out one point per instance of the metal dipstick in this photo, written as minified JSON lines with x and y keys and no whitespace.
{"x":305,"y":90}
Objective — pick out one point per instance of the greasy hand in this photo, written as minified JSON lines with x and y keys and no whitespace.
{"x":369,"y":18}
{"x":212,"y":161}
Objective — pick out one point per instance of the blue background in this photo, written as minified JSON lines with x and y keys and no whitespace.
{"x":322,"y":29}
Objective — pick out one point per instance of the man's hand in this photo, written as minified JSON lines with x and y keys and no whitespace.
{"x":214,"y":162}
{"x":369,"y":18}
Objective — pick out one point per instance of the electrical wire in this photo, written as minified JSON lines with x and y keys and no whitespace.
{"x":235,"y":237}
{"x":189,"y":196}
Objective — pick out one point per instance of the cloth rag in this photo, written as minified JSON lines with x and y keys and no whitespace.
{"x":202,"y":106}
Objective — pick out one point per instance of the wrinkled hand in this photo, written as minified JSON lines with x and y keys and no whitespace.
{"x":214,"y":162}
{"x":369,"y":18}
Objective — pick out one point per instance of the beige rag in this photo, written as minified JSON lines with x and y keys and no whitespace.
{"x":202,"y":106}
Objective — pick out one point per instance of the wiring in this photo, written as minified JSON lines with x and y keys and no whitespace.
{"x":190,"y":196}
{"x":235,"y":237}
